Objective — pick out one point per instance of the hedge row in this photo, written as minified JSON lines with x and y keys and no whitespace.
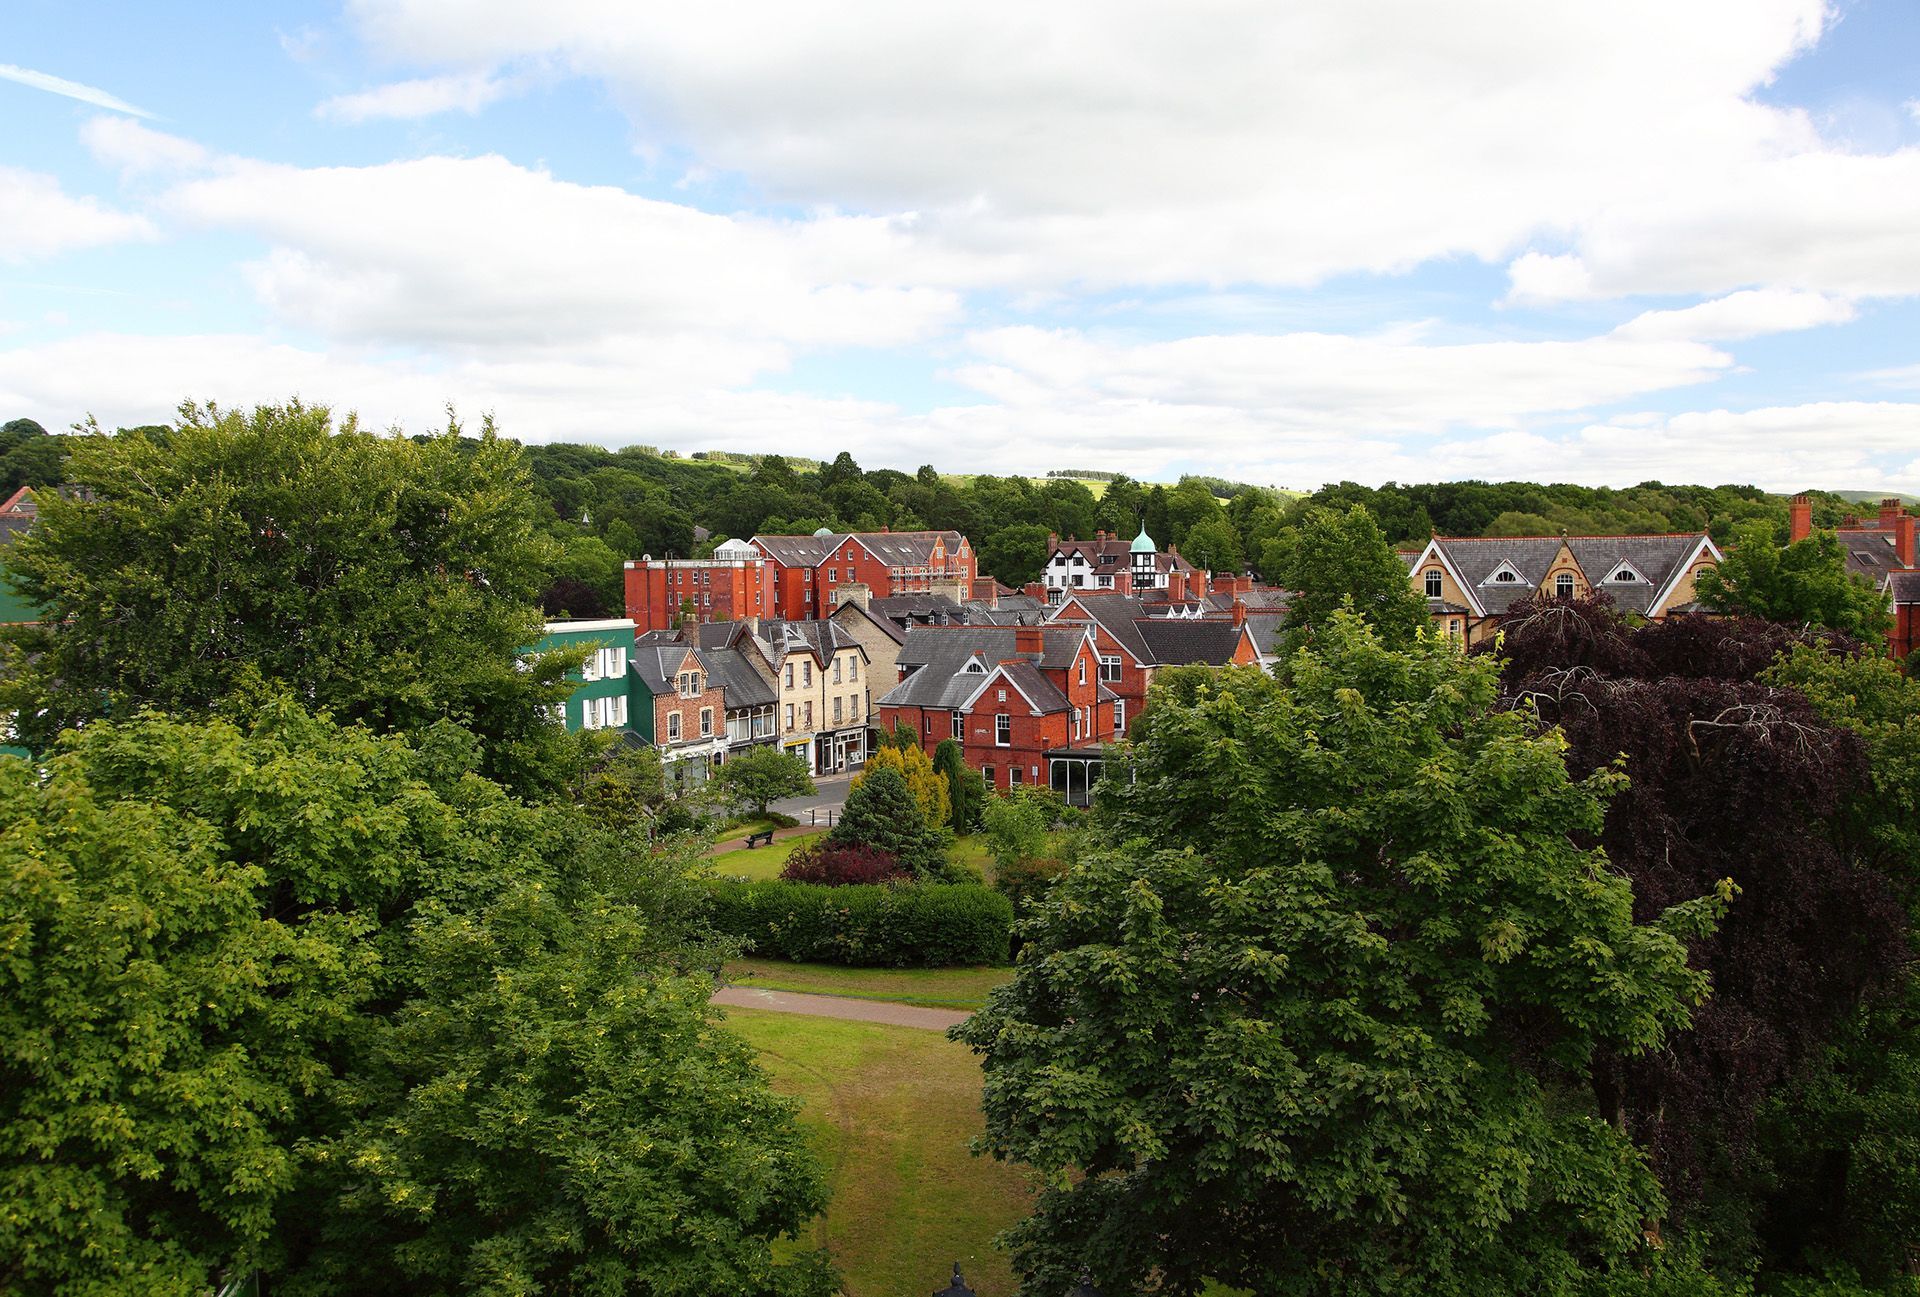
{"x":929,"y":925}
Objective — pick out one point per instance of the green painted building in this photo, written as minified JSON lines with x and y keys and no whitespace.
{"x":602,"y":690}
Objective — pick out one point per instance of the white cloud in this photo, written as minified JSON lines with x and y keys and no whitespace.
{"x":39,"y":219}
{"x":1748,"y":314}
{"x":466,"y":92}
{"x":480,"y":253}
{"x":136,"y":150}
{"x":71,"y":89}
{"x":1109,"y":143}
{"x":1076,"y":409}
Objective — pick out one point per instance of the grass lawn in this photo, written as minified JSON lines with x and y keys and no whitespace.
{"x":757,"y":863}
{"x":890,"y":1110}
{"x":939,"y":988}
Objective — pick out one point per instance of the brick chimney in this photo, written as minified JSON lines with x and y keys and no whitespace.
{"x":1903,"y":538}
{"x":1890,"y":509}
{"x":1239,"y":612}
{"x":1029,"y":639}
{"x":1799,"y":518}
{"x":857,"y":592}
{"x":1034,"y":590}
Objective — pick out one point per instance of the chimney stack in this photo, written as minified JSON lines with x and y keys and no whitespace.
{"x":852,"y":592}
{"x":1239,"y":612}
{"x":1890,"y":509}
{"x":1799,"y":518}
{"x":1029,"y":639}
{"x":1903,"y":538}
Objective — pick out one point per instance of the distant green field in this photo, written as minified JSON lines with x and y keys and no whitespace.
{"x":933,"y":988}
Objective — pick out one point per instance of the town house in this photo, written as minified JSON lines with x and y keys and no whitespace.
{"x":1024,"y":702}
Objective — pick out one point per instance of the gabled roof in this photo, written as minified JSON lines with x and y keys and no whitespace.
{"x":1117,"y":614}
{"x":936,"y":658}
{"x":744,"y":687}
{"x":892,"y":629}
{"x":1472,"y":560}
{"x":821,"y":639}
{"x":1870,"y":551}
{"x":894,"y":548}
{"x":20,"y":504}
{"x":1180,"y":643}
{"x":903,"y":608}
{"x":1042,"y":695}
{"x":657,"y":664}
{"x":1904,"y":587}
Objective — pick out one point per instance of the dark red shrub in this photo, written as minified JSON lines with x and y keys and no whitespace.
{"x":838,"y":864}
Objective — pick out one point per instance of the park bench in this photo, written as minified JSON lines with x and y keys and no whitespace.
{"x":754,"y":838}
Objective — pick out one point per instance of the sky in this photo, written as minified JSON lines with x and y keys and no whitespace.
{"x":1281,"y":243}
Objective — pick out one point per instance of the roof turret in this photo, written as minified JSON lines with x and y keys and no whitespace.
{"x":1143,"y":543}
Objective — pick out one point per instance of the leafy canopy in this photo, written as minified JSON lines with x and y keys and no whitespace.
{"x":881,"y":811}
{"x":299,"y":997}
{"x":1803,"y":584}
{"x":929,"y":787}
{"x":1340,"y":559}
{"x":387,"y":580}
{"x":1313,"y":1011}
{"x":762,"y":775}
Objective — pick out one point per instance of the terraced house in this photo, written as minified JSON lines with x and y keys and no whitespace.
{"x":820,"y":681}
{"x":1471,"y":582}
{"x":601,"y":696}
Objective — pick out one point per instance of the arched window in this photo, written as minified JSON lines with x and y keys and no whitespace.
{"x":1563,"y":586}
{"x":1433,"y":583}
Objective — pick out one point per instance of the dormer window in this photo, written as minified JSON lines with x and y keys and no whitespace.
{"x":975,"y":667}
{"x":1625,"y":575}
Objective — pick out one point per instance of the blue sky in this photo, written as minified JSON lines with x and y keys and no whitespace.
{"x":1286,"y":244}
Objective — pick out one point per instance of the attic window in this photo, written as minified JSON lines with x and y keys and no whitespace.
{"x":1506,"y":576}
{"x":1865,"y":559}
{"x":975,"y":666}
{"x":1625,"y":574}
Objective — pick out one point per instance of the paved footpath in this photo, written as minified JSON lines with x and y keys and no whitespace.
{"x":840,"y":1006}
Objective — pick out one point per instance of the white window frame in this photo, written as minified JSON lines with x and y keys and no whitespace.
{"x":673,"y":727}
{"x":959,"y":721}
{"x":1002,"y":730}
{"x":1111,"y":666}
{"x":706,"y":722}
{"x":1435,"y":583}
{"x":1119,"y":716}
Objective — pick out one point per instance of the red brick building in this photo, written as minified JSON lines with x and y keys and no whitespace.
{"x":734,"y":585}
{"x":1025,"y":702}
{"x":1134,"y":639}
{"x":795,"y":578}
{"x":1904,"y":589}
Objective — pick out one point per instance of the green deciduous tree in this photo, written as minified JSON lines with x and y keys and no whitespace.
{"x":388,"y":580}
{"x":1804,"y":584}
{"x":1313,"y":1012}
{"x":294,"y":996}
{"x":1335,"y":559}
{"x":763,"y":775}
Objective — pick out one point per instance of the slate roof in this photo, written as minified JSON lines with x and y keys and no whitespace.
{"x":892,"y":629}
{"x":657,"y":663}
{"x":1656,"y":558}
{"x":1040,"y":691}
{"x":902,"y":608}
{"x":1870,"y":551}
{"x":745,"y":687}
{"x":1904,"y":587}
{"x":995,"y":643}
{"x":1265,"y":627}
{"x":894,"y":548}
{"x":822,"y":639}
{"x":1119,"y":615}
{"x":1176,"y":642}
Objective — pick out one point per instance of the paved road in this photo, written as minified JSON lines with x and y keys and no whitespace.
{"x":840,"y":1006}
{"x":830,"y":795}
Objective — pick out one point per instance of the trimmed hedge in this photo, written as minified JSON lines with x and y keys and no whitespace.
{"x":928,"y":925}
